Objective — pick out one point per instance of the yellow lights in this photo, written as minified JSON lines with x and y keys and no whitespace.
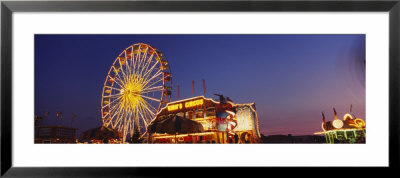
{"x":181,"y":139}
{"x":358,"y":123}
{"x":347,"y":116}
{"x":337,"y":123}
{"x":336,"y":130}
{"x":244,"y":118}
{"x":158,"y":135}
{"x":188,"y":104}
{"x":175,"y":107}
{"x":194,"y":103}
{"x":130,"y":93}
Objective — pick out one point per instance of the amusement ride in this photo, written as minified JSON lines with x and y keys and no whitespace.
{"x":137,"y":85}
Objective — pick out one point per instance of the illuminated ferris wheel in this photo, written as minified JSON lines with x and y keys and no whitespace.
{"x":137,"y":85}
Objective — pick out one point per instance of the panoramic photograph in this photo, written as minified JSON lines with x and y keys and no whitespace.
{"x":199,"y":89}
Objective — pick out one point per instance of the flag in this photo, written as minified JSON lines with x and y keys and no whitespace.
{"x":335,"y":114}
{"x":46,"y":113}
{"x":204,"y":86}
{"x":351,"y":108}
{"x":323,"y":117}
{"x":192,"y":86}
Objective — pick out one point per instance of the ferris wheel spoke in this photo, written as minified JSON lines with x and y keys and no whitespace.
{"x":142,"y":61}
{"x":112,"y":118}
{"x":149,"y":114}
{"x":152,"y":89}
{"x":138,"y":58}
{"x":120,"y":85}
{"x":145,"y":119}
{"x":120,"y":114}
{"x":149,"y":61}
{"x":141,"y":113}
{"x":108,"y":112}
{"x":147,"y":97}
{"x":145,"y":64}
{"x":136,"y":118}
{"x":115,"y":99}
{"x":148,"y":85}
{"x":134,"y":61}
{"x":122,"y":71}
{"x":130,"y":123}
{"x":155,"y":74}
{"x":122,"y":68}
{"x":127,"y":119}
{"x":152,"y":78}
{"x":119,"y":80}
{"x":116,"y":108}
{"x":128,"y":68}
{"x":140,"y":108}
{"x":148,"y":117}
{"x":150,"y":70}
{"x":133,"y":69}
{"x":143,"y":57}
{"x":151,"y":109}
{"x":110,"y":87}
{"x":120,"y":121}
{"x":115,"y":95}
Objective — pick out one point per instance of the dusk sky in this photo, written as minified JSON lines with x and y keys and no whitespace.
{"x":291,"y":78}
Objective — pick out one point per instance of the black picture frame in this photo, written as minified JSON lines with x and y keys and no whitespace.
{"x":8,"y":7}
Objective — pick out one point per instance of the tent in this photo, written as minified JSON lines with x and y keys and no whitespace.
{"x":175,"y":124}
{"x":100,"y":133}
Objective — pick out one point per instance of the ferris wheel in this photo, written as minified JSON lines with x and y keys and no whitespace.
{"x":137,"y":85}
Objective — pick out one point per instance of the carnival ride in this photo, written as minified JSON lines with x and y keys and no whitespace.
{"x":137,"y":85}
{"x":349,"y":130}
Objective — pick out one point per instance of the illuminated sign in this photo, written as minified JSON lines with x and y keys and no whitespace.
{"x":175,"y":107}
{"x":244,"y":118}
{"x":187,"y":104}
{"x":347,"y":116}
{"x":337,"y":124}
{"x":358,"y":123}
{"x":194,"y":103}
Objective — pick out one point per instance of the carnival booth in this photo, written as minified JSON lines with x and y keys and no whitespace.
{"x":203,"y":120}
